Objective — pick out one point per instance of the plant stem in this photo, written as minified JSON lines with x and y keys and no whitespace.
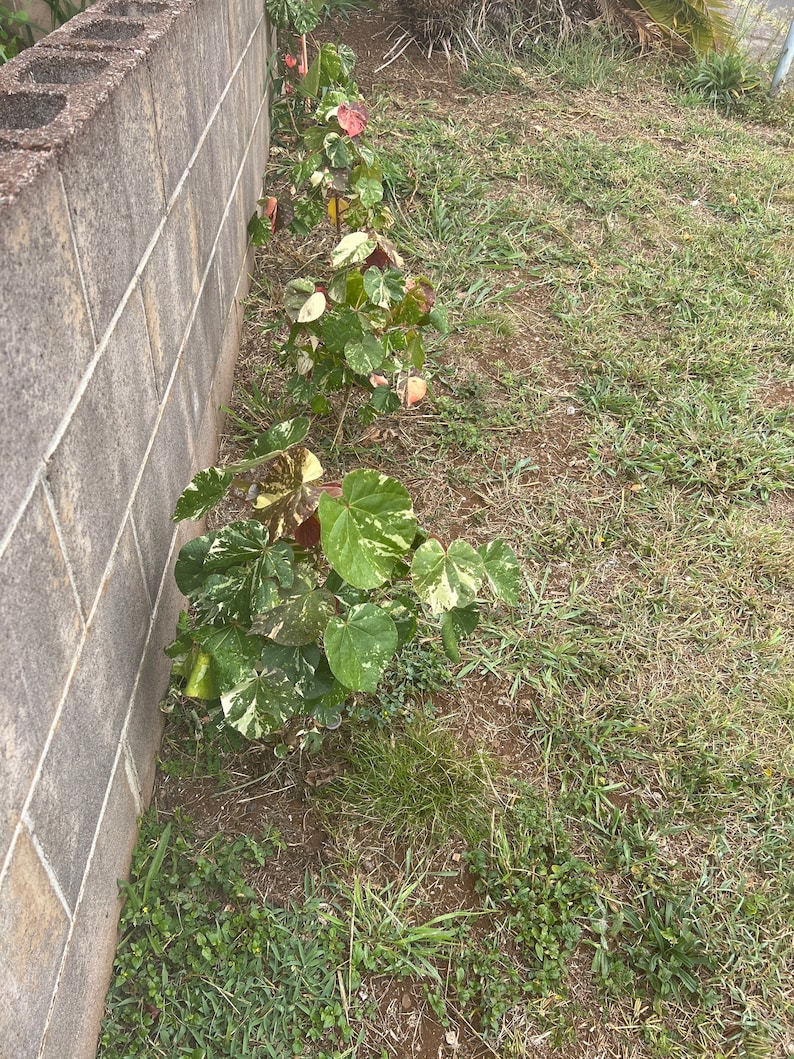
{"x":338,"y":433}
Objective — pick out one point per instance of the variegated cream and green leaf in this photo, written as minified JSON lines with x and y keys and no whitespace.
{"x":365,"y":354}
{"x":209,"y":487}
{"x":502,"y":570}
{"x":234,"y":653}
{"x":260,"y":704}
{"x":301,"y":616}
{"x":368,"y":528}
{"x":279,"y":438}
{"x":384,"y":287}
{"x":233,"y":574}
{"x":352,"y":249}
{"x":447,"y":577}
{"x":205,"y":491}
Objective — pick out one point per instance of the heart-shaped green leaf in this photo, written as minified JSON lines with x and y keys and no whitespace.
{"x":456,"y":624}
{"x":360,"y":645}
{"x":502,"y":570}
{"x":449,"y":578}
{"x":368,"y":528}
{"x":384,"y":287}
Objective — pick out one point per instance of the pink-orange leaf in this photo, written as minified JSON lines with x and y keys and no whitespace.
{"x":410,"y":387}
{"x":353,"y":118}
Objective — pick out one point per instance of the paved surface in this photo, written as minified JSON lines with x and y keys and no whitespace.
{"x":763,"y":25}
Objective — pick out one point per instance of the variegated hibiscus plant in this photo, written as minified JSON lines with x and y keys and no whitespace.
{"x":302,"y":606}
{"x":363,"y":328}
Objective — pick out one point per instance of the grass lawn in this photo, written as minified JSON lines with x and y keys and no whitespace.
{"x":579,"y":841}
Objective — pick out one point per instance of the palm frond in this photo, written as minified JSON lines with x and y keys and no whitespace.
{"x":701,"y":25}
{"x":633,"y":24}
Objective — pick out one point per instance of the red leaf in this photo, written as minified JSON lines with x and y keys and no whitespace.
{"x":353,"y":118}
{"x":385,"y":255}
{"x":307,"y":535}
{"x":377,"y":259}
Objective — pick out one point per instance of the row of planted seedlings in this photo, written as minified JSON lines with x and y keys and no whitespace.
{"x":304,"y":604}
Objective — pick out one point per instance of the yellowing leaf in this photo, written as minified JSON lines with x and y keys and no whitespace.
{"x":337,"y":208}
{"x":312,"y":309}
{"x":287,"y":495}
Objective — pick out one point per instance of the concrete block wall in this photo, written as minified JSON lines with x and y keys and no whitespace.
{"x":132,"y":147}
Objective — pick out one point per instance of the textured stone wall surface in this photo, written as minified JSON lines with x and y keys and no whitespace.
{"x":132,"y":146}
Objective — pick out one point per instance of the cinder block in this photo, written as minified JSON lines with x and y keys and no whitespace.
{"x":41,"y":631}
{"x":243,"y":16}
{"x":165,"y":475}
{"x":203,"y":345}
{"x":41,"y":303}
{"x":93,"y":471}
{"x":37,"y":66}
{"x":255,"y":74}
{"x":33,"y":931}
{"x":213,"y":20}
{"x":169,"y":286}
{"x":231,"y":248}
{"x":227,"y":361}
{"x":74,"y":1024}
{"x":69,"y":794}
{"x":116,"y":25}
{"x":145,"y":725}
{"x":114,"y":226}
{"x":206,"y":451}
{"x":257,"y":157}
{"x":233,"y":119}
{"x":19,"y":167}
{"x":53,"y":92}
{"x":177,"y":78}
{"x":209,"y":182}
{"x":251,"y":184}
